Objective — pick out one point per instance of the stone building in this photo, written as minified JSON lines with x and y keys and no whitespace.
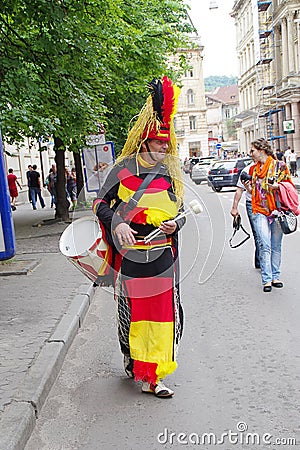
{"x":222,"y":105}
{"x":19,"y":156}
{"x":190,"y":120}
{"x":268,"y":45}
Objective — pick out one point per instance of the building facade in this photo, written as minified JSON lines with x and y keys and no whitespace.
{"x":19,"y":156}
{"x":222,"y":106}
{"x":268,"y":45}
{"x":190,"y":120}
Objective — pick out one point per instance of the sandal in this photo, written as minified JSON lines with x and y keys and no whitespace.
{"x":159,"y":390}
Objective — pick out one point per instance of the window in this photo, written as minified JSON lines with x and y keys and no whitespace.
{"x":192,"y":123}
{"x":190,"y":97}
{"x":189,"y":73}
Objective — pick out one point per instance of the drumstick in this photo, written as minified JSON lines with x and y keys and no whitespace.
{"x":195,"y":207}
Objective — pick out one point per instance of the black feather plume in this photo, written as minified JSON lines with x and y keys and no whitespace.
{"x":156,"y":91}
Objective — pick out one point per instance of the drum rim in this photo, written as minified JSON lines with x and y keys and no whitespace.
{"x":67,"y":229}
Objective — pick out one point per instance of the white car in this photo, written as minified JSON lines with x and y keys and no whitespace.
{"x":200,"y":170}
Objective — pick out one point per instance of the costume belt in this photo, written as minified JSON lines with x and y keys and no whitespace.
{"x":155,"y":243}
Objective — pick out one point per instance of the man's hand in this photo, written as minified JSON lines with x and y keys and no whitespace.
{"x":125,"y":234}
{"x":168,"y":227}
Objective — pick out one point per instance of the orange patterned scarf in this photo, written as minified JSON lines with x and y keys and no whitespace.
{"x":263,"y":198}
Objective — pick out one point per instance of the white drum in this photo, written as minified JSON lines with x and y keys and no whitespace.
{"x":82,"y":244}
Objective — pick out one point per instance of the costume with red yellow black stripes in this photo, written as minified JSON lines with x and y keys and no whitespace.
{"x":147,"y":289}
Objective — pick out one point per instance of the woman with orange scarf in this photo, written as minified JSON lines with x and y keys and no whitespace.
{"x":267,"y":173}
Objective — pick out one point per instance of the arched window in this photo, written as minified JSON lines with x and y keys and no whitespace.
{"x":190,"y":97}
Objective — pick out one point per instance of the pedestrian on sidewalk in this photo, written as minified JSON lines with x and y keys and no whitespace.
{"x":71,"y":186}
{"x":293,"y":163}
{"x":266,"y":174}
{"x":51,"y":184}
{"x":279,"y":154}
{"x":286,"y":156}
{"x":12,"y":186}
{"x":28,"y":181}
{"x":150,"y":317}
{"x":35,"y":187}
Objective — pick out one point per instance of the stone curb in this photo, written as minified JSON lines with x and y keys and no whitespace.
{"x":19,"y":417}
{"x":17,"y":271}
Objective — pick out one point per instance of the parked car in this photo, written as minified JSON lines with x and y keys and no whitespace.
{"x":200,"y":169}
{"x":189,"y":163}
{"x":225,"y":173}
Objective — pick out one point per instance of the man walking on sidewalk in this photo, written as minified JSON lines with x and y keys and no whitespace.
{"x":293,"y":163}
{"x":35,"y":187}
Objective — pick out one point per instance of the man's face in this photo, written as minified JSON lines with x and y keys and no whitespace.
{"x":157,"y":148}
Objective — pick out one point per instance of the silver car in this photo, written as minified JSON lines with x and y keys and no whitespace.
{"x":200,"y":170}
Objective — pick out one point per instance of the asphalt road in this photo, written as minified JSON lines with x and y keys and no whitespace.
{"x":237,"y":384}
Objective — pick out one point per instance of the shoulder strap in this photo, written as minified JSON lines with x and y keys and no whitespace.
{"x":141,"y":189}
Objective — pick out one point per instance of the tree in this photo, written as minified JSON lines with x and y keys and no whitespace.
{"x":66,"y":65}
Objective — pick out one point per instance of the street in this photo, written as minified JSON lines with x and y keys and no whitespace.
{"x":237,"y":382}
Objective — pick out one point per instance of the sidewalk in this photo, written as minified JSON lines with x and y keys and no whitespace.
{"x":44,"y":299}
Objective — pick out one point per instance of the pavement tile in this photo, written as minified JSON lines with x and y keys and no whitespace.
{"x":51,"y":297}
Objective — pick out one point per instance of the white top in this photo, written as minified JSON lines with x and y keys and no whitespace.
{"x":240,"y":184}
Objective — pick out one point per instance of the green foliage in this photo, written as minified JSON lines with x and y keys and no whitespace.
{"x":215,"y":81}
{"x":66,"y":65}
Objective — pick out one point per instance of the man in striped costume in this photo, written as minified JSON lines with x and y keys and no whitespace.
{"x":150,"y":317}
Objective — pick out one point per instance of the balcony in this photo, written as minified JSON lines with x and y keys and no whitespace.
{"x":263,"y":6}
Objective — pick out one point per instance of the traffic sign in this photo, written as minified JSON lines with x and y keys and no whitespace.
{"x":218,"y":146}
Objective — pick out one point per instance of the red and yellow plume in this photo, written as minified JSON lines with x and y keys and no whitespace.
{"x":164,"y":102}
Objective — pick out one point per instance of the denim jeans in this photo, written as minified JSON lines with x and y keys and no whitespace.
{"x":34,"y":193}
{"x":270,"y":238}
{"x":254,"y":232}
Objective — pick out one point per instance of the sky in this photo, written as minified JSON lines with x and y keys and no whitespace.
{"x":217,"y":32}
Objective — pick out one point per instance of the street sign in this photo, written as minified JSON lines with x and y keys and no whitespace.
{"x":218,"y":146}
{"x":288,"y":126}
{"x":97,"y":162}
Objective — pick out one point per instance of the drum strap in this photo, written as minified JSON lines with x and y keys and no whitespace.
{"x":141,"y":189}
{"x":108,"y":280}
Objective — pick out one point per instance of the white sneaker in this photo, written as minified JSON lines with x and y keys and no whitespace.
{"x":159,"y":390}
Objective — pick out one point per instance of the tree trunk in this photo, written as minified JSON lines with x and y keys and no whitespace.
{"x":62,"y":203}
{"x":79,"y":177}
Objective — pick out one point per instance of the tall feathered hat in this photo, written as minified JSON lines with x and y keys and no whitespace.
{"x":164,"y":95}
{"x":155,"y":120}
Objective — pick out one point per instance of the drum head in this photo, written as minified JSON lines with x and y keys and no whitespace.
{"x":80,"y":236}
